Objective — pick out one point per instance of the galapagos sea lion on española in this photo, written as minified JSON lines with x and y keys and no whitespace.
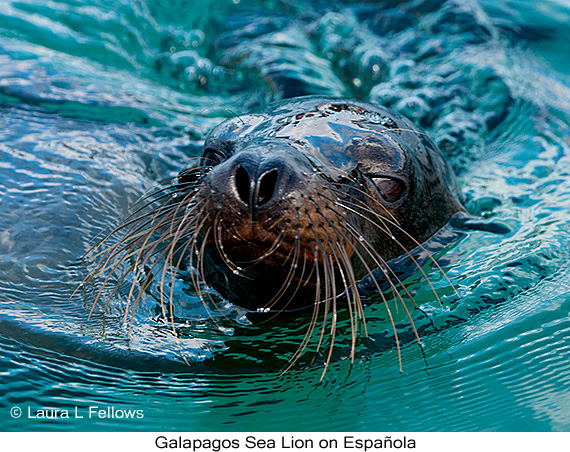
{"x":289,"y":207}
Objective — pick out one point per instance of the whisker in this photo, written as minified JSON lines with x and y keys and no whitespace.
{"x":408,"y":235}
{"x":404,"y":249}
{"x":291,"y":274}
{"x":383,"y":267}
{"x":344,"y":262}
{"x":333,"y":323}
{"x":381,"y":264}
{"x":150,"y":196}
{"x":313,"y":322}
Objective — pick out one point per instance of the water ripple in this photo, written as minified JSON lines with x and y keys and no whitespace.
{"x":99,"y":104}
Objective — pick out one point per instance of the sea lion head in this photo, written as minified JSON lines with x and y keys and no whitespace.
{"x":294,"y":204}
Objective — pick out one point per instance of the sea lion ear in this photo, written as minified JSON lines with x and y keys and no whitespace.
{"x":390,"y":189}
{"x":467,"y":221}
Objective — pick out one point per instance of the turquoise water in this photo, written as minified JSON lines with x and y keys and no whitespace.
{"x":100,"y":101}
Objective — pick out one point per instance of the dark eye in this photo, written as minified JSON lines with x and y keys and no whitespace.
{"x":391,"y":190}
{"x":189,"y":177}
{"x":211,"y":157}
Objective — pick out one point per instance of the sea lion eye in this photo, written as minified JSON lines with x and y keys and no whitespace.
{"x":189,"y":176}
{"x":211,"y":157}
{"x":390,"y":189}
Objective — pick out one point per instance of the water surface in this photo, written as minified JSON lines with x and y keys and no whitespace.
{"x":100,"y":101}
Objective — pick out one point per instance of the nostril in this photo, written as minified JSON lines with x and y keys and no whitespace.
{"x":242,"y":184}
{"x":257,"y":192}
{"x":266,"y":187}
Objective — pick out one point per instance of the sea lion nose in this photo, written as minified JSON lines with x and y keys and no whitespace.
{"x":256,"y":183}
{"x":255,"y":191}
{"x":256,"y":180}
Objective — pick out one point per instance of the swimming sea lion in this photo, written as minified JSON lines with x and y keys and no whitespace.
{"x":291,"y":206}
{"x":314,"y":186}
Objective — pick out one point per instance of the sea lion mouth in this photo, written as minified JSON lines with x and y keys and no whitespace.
{"x":290,"y":211}
{"x":275,"y":259}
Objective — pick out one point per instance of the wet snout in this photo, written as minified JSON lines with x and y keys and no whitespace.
{"x":256,"y":184}
{"x":253,"y":182}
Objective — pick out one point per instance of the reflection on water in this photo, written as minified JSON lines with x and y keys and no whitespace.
{"x":100,"y":102}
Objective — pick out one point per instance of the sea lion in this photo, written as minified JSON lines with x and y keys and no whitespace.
{"x":310,"y":185}
{"x":291,"y":206}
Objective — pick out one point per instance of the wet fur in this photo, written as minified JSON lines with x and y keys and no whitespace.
{"x":326,"y":240}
